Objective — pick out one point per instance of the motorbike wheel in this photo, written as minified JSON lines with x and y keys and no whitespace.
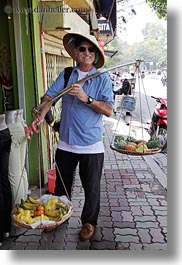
{"x":162,"y":136}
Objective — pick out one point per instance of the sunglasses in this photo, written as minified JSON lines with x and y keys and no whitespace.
{"x":83,"y":49}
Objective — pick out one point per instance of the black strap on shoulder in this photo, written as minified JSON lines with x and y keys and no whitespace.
{"x":67,"y":73}
{"x":49,"y":116}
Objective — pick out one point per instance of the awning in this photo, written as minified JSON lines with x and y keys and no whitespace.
{"x":110,"y":53}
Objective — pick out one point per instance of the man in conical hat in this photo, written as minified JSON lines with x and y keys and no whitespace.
{"x":80,"y":133}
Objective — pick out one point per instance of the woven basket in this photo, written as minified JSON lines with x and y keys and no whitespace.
{"x":42,"y":226}
{"x":146,"y":152}
{"x":48,"y":225}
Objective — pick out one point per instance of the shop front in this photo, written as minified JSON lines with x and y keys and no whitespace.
{"x":31,"y":56}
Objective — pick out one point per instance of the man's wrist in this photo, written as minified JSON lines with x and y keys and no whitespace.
{"x":90,"y":100}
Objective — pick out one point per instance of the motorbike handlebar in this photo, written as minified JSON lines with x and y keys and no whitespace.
{"x":154,"y":97}
{"x":160,"y":100}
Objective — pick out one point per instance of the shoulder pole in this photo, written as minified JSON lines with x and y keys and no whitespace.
{"x":67,"y":89}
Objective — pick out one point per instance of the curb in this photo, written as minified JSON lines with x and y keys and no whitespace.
{"x":157,"y":171}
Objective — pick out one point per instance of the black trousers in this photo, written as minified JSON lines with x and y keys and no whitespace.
{"x":5,"y":188}
{"x":90,"y":171}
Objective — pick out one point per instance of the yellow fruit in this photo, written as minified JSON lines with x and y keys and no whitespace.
{"x":19,"y":210}
{"x":40,"y":218}
{"x":52,"y":200}
{"x":50,"y":207}
{"x":141,"y":143}
{"x":53,"y":213}
{"x":28,"y":206}
{"x":141,"y":148}
{"x":23,"y":217}
{"x":33,"y":201}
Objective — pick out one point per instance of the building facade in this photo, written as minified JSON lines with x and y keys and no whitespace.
{"x":32,"y":55}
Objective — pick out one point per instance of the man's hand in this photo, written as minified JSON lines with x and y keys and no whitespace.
{"x":99,"y":106}
{"x":78,"y":92}
{"x":39,"y":116}
{"x":35,"y":124}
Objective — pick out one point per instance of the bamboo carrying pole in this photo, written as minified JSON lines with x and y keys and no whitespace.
{"x":67,"y":89}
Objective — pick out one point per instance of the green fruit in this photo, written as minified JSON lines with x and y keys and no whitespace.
{"x":121,"y":145}
{"x":118,"y":138}
{"x":131,"y":139}
{"x":153,"y":143}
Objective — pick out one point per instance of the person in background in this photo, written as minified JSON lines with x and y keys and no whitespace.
{"x":116,"y":84}
{"x":143,"y":74}
{"x":126,"y":90}
{"x":80,"y":134}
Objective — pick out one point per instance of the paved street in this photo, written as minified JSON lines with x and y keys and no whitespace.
{"x":133,"y":214}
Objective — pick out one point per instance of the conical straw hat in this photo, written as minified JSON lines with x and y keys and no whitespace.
{"x":69,"y":44}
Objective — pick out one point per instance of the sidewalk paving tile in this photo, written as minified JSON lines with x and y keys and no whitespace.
{"x":133,"y":213}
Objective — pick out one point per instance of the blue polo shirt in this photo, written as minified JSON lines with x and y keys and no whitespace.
{"x":80,"y":125}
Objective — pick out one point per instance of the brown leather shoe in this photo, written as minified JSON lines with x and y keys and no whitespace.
{"x":87,"y":232}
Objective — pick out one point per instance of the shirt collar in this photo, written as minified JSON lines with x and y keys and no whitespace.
{"x":92,"y":71}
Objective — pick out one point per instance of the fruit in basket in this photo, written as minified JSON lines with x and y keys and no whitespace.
{"x":33,"y":201}
{"x":40,"y":218}
{"x":141,"y":148}
{"x":18,"y":209}
{"x":62,"y":205}
{"x":139,"y":142}
{"x":153,"y":143}
{"x":63,"y":211}
{"x":27,"y":205}
{"x":63,"y":208}
{"x":52,"y":200}
{"x":118,"y":138}
{"x":51,"y":204}
{"x":40,"y":208}
{"x":49,"y":207}
{"x":130,"y":147}
{"x":55,"y":209}
{"x":24,"y":216}
{"x":30,"y":203}
{"x":131,"y":139}
{"x":132,"y":143}
{"x":121,"y":144}
{"x":55,"y":215}
{"x":52,"y":213}
{"x":38,"y":212}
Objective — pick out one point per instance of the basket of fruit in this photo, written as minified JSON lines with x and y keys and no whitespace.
{"x":45,"y":213}
{"x":129,"y":145}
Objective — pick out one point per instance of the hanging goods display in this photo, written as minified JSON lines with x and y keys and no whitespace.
{"x":46,"y":212}
{"x":137,"y":142}
{"x":131,"y":146}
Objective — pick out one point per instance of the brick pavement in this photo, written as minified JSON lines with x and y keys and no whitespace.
{"x":133,"y":214}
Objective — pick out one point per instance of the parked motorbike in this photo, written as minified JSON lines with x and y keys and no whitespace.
{"x":158,"y":126}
